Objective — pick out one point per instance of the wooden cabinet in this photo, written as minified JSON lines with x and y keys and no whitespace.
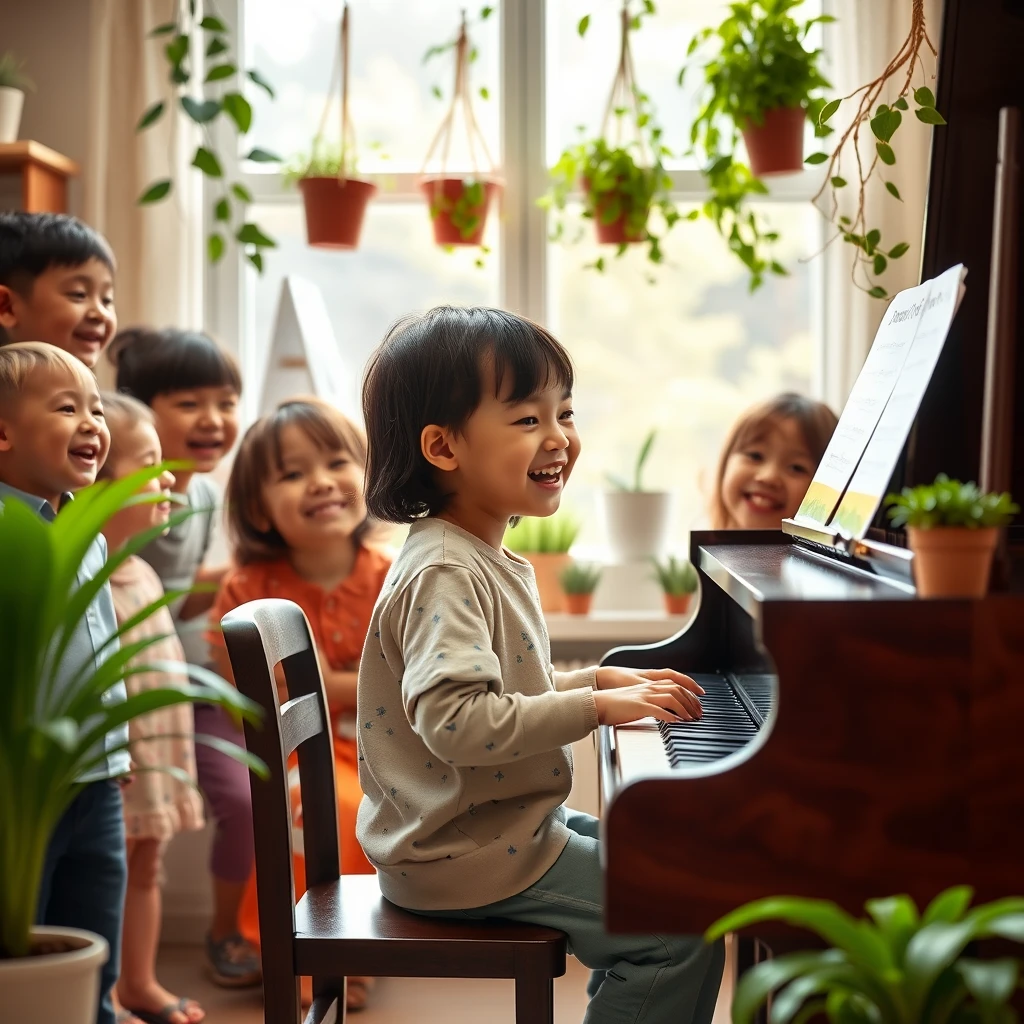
{"x":34,"y":178}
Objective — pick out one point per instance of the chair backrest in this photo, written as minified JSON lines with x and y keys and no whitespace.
{"x":259,"y":636}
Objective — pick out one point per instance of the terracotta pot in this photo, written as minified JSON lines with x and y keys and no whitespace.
{"x":335,"y":210}
{"x":777,"y":145}
{"x":548,"y":568}
{"x":578,"y":604}
{"x":677,"y":604}
{"x":614,"y":233}
{"x":62,"y":986}
{"x":442,"y":194}
{"x":951,"y":561}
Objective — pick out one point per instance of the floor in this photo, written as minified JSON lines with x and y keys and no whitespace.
{"x":396,"y":1000}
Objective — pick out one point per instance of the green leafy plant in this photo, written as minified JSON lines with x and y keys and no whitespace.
{"x":637,"y":485}
{"x":950,"y":503}
{"x":580,"y":578}
{"x":622,"y":179}
{"x":676,"y":576}
{"x":894,"y":966}
{"x":326,"y":160}
{"x":219,"y":93}
{"x":11,"y":74}
{"x":551,"y":535}
{"x":442,"y":48}
{"x":872,"y":254}
{"x":762,"y":63}
{"x":49,"y":734}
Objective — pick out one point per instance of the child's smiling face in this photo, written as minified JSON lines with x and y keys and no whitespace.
{"x":198,"y":425}
{"x":69,"y":307}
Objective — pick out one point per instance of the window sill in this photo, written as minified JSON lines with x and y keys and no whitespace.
{"x":614,"y":627}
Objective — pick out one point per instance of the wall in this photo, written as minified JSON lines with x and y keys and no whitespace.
{"x":51,"y":37}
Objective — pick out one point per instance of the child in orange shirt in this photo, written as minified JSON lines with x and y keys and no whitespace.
{"x":298,"y":523}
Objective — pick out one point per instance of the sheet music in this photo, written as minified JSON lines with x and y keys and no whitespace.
{"x":864,"y":407}
{"x":867,"y":488}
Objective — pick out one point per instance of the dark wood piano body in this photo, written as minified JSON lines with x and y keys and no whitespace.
{"x":892,"y":761}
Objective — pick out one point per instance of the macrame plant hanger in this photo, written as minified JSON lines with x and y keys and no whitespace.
{"x":339,"y":85}
{"x":623,"y":97}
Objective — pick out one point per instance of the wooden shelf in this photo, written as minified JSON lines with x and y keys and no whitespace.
{"x":44,"y":177}
{"x":614,"y":627}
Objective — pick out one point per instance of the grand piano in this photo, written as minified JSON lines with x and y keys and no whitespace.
{"x":857,"y":741}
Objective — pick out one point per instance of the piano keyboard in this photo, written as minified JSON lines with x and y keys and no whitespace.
{"x":734,"y":709}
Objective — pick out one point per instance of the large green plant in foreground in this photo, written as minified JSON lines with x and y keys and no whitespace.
{"x":896,"y":966}
{"x":51,"y":735}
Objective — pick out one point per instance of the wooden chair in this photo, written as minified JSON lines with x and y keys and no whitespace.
{"x":342,"y":925}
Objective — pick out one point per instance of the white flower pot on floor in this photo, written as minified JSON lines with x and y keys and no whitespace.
{"x":11,"y":102}
{"x":637,"y":523}
{"x":47,"y":987}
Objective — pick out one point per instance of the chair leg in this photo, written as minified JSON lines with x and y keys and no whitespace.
{"x":535,"y":999}
{"x":281,"y":996}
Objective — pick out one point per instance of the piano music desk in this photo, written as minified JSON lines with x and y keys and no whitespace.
{"x":890,"y":759}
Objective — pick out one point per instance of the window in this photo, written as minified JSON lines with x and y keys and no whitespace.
{"x":685,"y":355}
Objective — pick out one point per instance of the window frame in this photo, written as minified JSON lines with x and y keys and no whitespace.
{"x":523,"y":276}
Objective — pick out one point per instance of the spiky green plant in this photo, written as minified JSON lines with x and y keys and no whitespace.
{"x":638,"y":469}
{"x":950,"y":503}
{"x":550,"y":535}
{"x":49,"y":734}
{"x":895,"y":966}
{"x":677,"y":576}
{"x":580,"y":578}
{"x":11,"y":74}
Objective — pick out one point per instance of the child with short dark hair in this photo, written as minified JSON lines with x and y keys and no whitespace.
{"x":193,"y":387}
{"x":768,"y":461}
{"x":53,"y":441}
{"x":465,"y":726}
{"x":56,"y":284}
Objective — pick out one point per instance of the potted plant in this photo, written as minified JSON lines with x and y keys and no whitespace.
{"x":14,"y":83}
{"x":952,"y":528}
{"x":48,"y":740}
{"x":579,"y":581}
{"x":895,"y":965}
{"x":762,"y":83}
{"x":334,"y":199}
{"x":459,"y":204}
{"x":545,"y":544}
{"x":623,"y":179}
{"x":678,"y":580}
{"x":637,"y":520}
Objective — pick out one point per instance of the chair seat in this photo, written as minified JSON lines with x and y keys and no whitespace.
{"x":348,"y":928}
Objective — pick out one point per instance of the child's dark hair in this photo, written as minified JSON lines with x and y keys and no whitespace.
{"x":151,"y":362}
{"x":31,"y":243}
{"x":260,"y":453}
{"x":816,"y":421}
{"x":432,"y":369}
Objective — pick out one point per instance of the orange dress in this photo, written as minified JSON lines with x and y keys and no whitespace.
{"x":339,"y":619}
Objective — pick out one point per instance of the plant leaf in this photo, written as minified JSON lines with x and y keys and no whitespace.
{"x":157,"y":191}
{"x":250,"y":234}
{"x":924,"y":97}
{"x":241,"y":193}
{"x":217,"y":46}
{"x":485,"y":93}
{"x":256,"y":259}
{"x":263,"y":156}
{"x":222,"y":211}
{"x":207,"y":162}
{"x":150,"y":116}
{"x":885,"y":153}
{"x":583,"y":25}
{"x":893,"y":190}
{"x":758,"y":983}
{"x":215,"y":247}
{"x":894,"y":254}
{"x":929,"y":115}
{"x":237,"y":107}
{"x":202,"y":112}
{"x":879,"y":264}
{"x":220,"y":72}
{"x":950,"y":905}
{"x":257,"y":79}
{"x":991,"y":982}
{"x":212,"y":24}
{"x":164,"y":30}
{"x":816,"y":158}
{"x":838,"y":182}
{"x":878,"y":292}
{"x":827,"y":111}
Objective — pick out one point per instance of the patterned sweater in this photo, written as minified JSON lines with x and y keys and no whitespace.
{"x":464,"y":726}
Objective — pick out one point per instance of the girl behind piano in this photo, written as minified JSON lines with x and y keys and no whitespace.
{"x":768,"y":462}
{"x":464,"y":726}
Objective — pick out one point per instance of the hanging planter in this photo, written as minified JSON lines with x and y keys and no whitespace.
{"x":622,"y":178}
{"x":334,"y":201}
{"x":459,"y":204}
{"x":775,"y":143}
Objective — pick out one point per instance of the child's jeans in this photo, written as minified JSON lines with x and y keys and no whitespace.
{"x":225,"y":784}
{"x":647,"y":979}
{"x":84,"y":876}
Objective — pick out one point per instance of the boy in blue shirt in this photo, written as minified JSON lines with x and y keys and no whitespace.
{"x":53,"y":440}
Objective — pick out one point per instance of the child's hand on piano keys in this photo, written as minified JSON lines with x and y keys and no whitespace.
{"x":668,"y":696}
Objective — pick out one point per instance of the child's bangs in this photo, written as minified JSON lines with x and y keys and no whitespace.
{"x":322,"y":424}
{"x":193,"y":362}
{"x":755,"y":428}
{"x":527,"y":360}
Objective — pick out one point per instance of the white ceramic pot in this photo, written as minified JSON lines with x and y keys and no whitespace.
{"x":638,"y":524}
{"x":61,"y":987}
{"x":11,"y":102}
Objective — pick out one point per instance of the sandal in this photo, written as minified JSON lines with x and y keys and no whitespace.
{"x":163,"y":1016}
{"x":232,"y":962}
